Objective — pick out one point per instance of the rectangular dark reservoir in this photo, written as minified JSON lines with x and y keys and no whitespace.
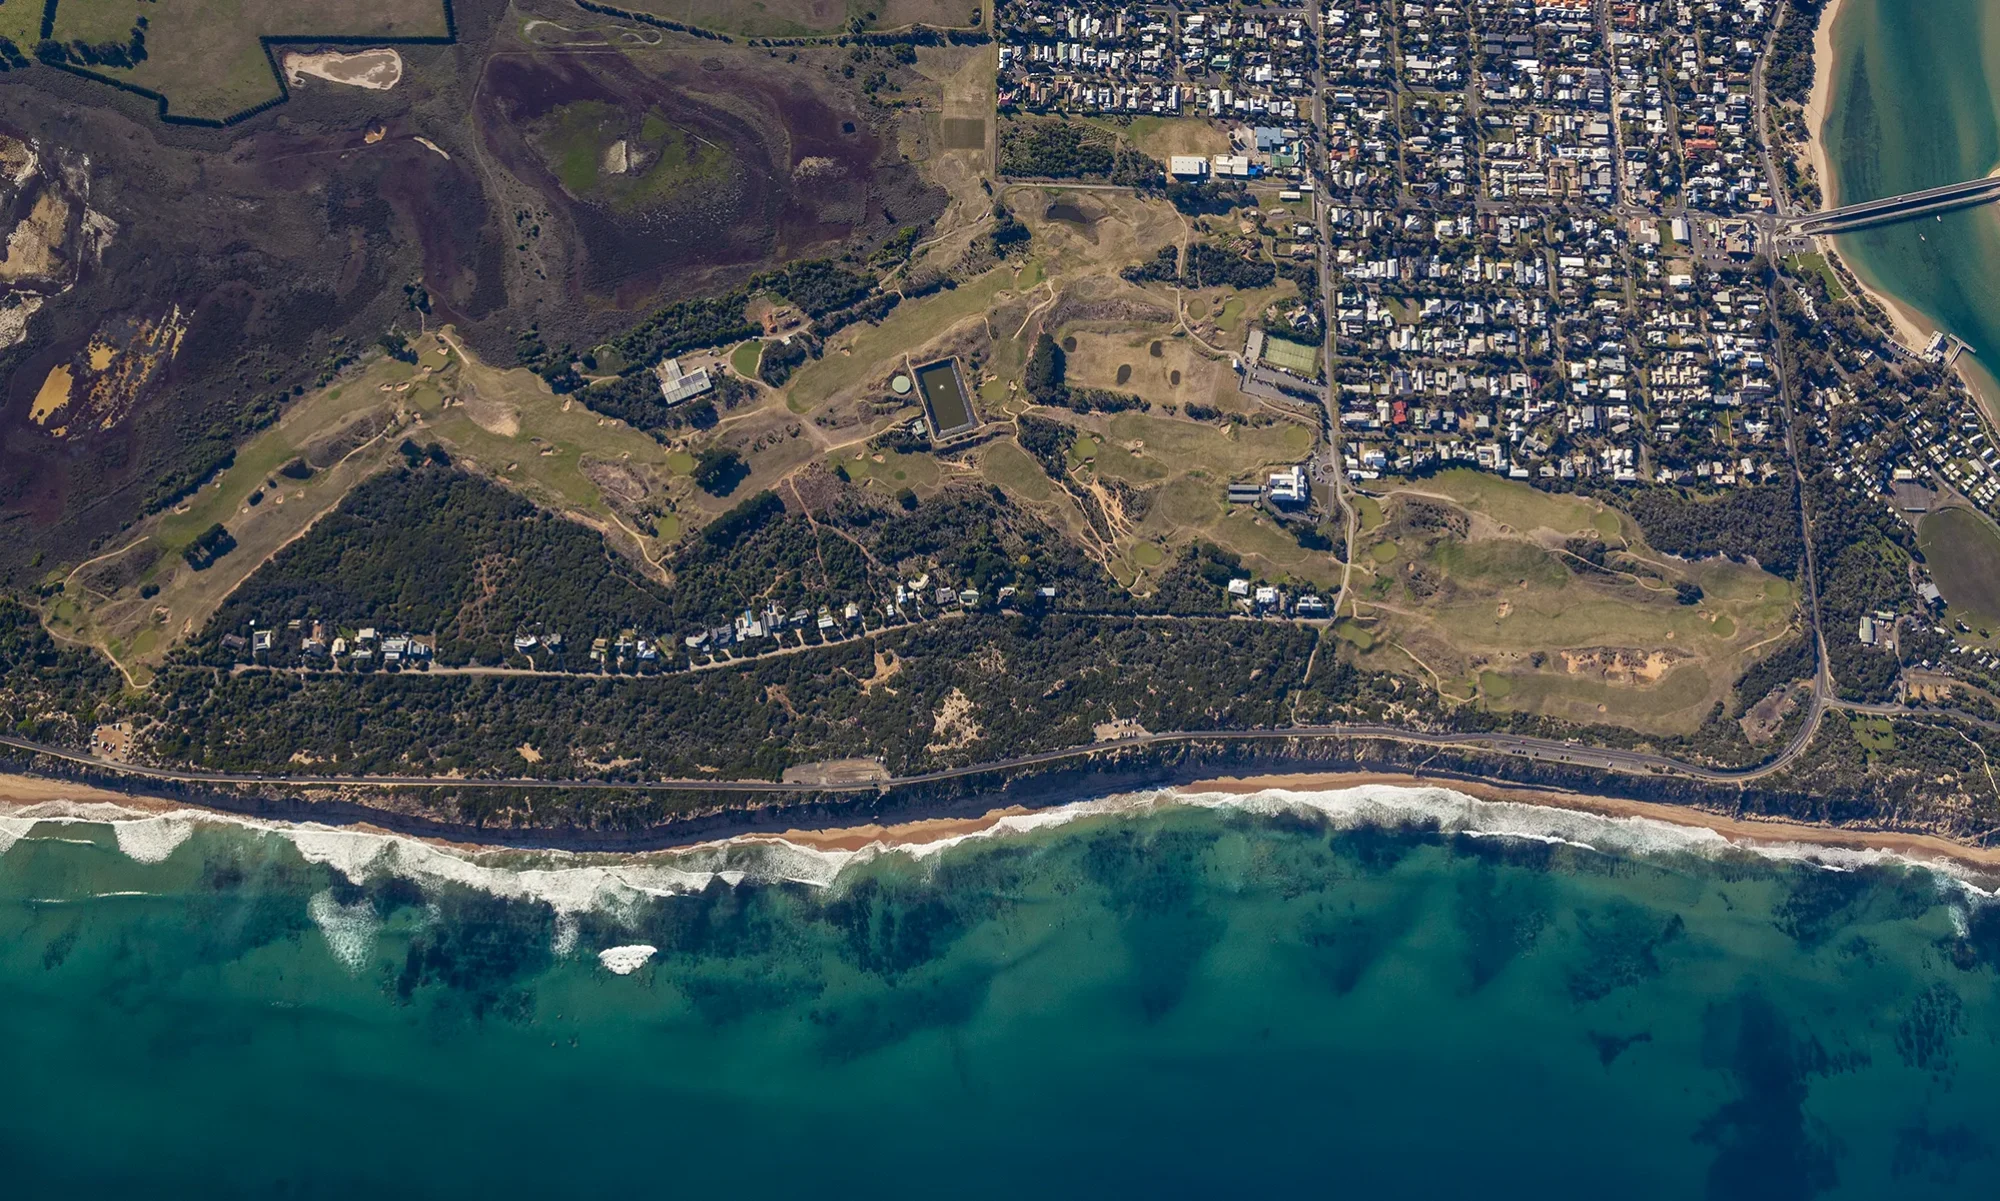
{"x":946,"y":399}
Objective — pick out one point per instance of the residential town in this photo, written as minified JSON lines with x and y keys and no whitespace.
{"x":1535,"y":215}
{"x":1545,"y":230}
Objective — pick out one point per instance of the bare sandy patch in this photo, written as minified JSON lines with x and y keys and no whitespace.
{"x":886,"y":667}
{"x":1749,"y":830}
{"x":493,"y":416}
{"x":378,"y":69}
{"x":19,"y":791}
{"x":14,"y":319}
{"x":1820,"y":98}
{"x":53,"y":397}
{"x":34,"y":246}
{"x":1621,"y":666}
{"x":955,"y":725}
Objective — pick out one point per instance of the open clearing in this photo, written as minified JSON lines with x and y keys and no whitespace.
{"x":377,"y":70}
{"x":1487,"y":589}
{"x":1165,"y":137}
{"x":1143,"y":485}
{"x":346,"y":433}
{"x":204,"y":55}
{"x":1962,"y":550}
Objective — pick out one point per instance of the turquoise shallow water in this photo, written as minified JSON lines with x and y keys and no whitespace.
{"x":1179,"y":1002}
{"x":1916,"y":104}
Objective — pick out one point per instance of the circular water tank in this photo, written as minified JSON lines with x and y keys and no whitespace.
{"x":900,"y":385}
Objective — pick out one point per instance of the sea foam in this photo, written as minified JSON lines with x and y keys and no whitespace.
{"x":623,"y":961}
{"x":152,"y":839}
{"x":618,"y":884}
{"x":349,"y":929}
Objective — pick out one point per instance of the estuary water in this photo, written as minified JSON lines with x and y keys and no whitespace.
{"x":1915,"y":103}
{"x":1373,"y":993}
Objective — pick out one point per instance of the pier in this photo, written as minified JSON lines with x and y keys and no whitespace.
{"x":1849,"y":217}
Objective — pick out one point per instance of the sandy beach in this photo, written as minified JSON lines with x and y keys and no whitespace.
{"x":35,"y":797}
{"x":1816,"y":104}
{"x":20,"y":792}
{"x":1748,"y":830}
{"x":1912,"y":328}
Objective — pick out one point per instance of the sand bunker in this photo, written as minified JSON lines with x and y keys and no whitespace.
{"x":378,"y":70}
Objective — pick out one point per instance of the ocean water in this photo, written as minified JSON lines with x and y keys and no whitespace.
{"x":1375,"y":993}
{"x":1915,"y":104}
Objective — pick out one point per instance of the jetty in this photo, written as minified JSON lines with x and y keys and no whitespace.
{"x":1888,"y":209}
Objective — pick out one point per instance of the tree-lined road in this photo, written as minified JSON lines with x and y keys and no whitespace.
{"x":1545,"y":750}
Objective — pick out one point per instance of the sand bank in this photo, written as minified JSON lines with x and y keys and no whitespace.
{"x":20,"y":792}
{"x":1912,"y":327}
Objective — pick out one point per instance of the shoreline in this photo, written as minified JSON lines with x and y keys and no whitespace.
{"x":1912,"y":326}
{"x":1748,"y":831}
{"x":33,"y":799}
{"x":1818,"y":101}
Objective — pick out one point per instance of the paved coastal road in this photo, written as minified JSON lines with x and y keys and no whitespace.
{"x":1545,"y":750}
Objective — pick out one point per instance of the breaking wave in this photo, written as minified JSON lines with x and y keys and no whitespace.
{"x":349,"y":929}
{"x":623,"y":961}
{"x":577,"y":882}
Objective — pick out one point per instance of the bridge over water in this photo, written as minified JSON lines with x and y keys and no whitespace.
{"x":1896,"y":208}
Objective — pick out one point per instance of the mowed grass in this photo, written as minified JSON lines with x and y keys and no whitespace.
{"x":1816,"y":264}
{"x":504,"y":424}
{"x":1299,"y":358}
{"x":1962,"y":550}
{"x":875,"y":349}
{"x":21,"y":24}
{"x":204,"y":55}
{"x":1517,"y":505}
{"x":1185,"y":465}
{"x":1500,"y":613}
{"x":136,"y":631}
{"x":1121,"y":336}
{"x":1225,"y":451}
{"x":1165,"y":137}
{"x":890,"y":471}
{"x":515,"y":430}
